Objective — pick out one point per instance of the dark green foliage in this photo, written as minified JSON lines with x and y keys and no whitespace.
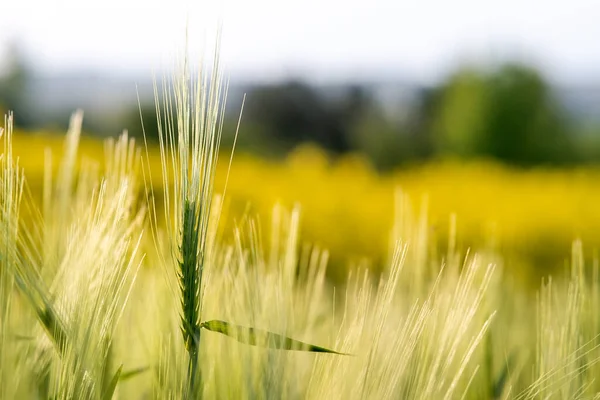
{"x":295,"y":112}
{"x":14,"y":84}
{"x":524,"y":123}
{"x":509,"y":114}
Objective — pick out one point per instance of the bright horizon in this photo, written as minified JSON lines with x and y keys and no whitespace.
{"x":332,"y":40}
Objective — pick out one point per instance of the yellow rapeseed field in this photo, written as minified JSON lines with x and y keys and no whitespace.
{"x":531,"y":217}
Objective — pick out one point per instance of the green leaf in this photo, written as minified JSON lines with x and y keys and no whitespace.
{"x":43,"y":307}
{"x":132,"y":373}
{"x":257,"y":337}
{"x":112,"y":386}
{"x":53,"y":325}
{"x":500,"y":385}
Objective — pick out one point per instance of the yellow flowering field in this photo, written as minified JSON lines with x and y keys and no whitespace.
{"x":531,"y":217}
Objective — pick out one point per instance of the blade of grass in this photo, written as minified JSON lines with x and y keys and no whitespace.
{"x":112,"y":386}
{"x":48,"y":317}
{"x":132,"y":373}
{"x":261,"y":338}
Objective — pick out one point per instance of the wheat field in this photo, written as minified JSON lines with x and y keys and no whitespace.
{"x":132,"y":275}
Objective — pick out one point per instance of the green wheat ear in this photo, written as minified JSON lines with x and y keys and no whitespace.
{"x":190,"y":124}
{"x":190,"y":277}
{"x":258,"y":337}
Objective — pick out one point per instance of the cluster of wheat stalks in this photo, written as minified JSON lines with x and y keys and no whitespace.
{"x":105,"y":294}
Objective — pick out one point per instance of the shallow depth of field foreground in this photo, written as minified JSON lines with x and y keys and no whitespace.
{"x":105,"y":293}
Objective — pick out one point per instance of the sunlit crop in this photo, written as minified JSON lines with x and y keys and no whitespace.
{"x":132,"y":272}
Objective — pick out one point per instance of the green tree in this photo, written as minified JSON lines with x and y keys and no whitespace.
{"x":14,"y":79}
{"x":508,"y":114}
{"x":295,"y":112}
{"x":525,"y":124}
{"x":461,"y":122}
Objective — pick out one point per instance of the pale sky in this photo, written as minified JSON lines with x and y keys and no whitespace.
{"x":416,"y":39}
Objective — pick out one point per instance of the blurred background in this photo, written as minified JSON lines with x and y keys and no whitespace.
{"x":488,"y":110}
